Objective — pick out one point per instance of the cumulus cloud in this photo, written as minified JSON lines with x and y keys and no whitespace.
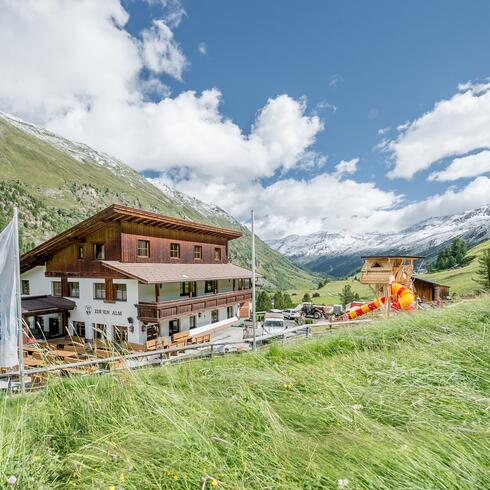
{"x":469,"y":166}
{"x":454,"y":127}
{"x":161,"y":53}
{"x":347,"y":167}
{"x":74,"y":68}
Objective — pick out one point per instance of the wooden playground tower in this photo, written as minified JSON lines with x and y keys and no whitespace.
{"x":379,"y":271}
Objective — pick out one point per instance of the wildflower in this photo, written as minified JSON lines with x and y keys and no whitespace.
{"x":36,"y":457}
{"x":343,"y":483}
{"x":130,"y":469}
{"x":12,"y":480}
{"x":214,"y":483}
{"x":357,"y":408}
{"x":122,"y":477}
{"x":111,"y":487}
{"x":176,"y":477}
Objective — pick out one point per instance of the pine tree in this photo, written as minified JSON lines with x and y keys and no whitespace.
{"x":347,"y":296}
{"x":483,"y":270}
{"x":264,"y":302}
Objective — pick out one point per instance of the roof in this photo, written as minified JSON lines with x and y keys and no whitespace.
{"x":399,"y":256}
{"x":151,"y":273}
{"x":418,"y":278}
{"x":45,"y":304}
{"x":116,"y":213}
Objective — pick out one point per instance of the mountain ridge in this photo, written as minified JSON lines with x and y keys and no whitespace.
{"x":56,"y":183}
{"x":338,"y":253}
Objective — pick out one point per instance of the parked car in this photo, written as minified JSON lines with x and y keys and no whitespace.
{"x":291,"y":314}
{"x":273,"y":323}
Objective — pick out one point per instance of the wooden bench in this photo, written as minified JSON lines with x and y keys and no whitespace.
{"x":151,"y":344}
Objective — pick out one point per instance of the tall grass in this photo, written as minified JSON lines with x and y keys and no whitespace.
{"x":398,"y":404}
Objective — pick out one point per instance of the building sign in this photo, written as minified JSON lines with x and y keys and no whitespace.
{"x":98,"y":311}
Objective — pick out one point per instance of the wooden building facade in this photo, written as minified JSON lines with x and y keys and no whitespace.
{"x":428,"y":290}
{"x":127,"y":269}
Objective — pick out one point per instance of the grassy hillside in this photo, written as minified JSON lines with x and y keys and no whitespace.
{"x":329,"y":294}
{"x":56,"y":188}
{"x":461,"y":279}
{"x":396,"y":404}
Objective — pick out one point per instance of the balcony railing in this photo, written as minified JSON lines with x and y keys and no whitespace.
{"x":153,"y":312}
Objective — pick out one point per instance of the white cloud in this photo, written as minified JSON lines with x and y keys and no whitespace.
{"x":73,"y":67}
{"x":202,"y":48}
{"x":296,"y":206}
{"x":454,"y":127}
{"x":468,"y":166}
{"x":347,"y":167}
{"x":161,"y":53}
{"x":452,"y":201}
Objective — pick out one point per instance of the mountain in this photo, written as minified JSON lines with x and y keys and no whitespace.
{"x":338,"y":254}
{"x":56,"y":183}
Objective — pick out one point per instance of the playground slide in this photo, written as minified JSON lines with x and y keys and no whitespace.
{"x":404,"y":297}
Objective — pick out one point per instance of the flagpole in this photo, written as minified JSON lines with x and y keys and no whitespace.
{"x":19,"y":304}
{"x":254,"y":316}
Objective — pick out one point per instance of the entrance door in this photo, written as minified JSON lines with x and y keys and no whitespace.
{"x":173,"y":326}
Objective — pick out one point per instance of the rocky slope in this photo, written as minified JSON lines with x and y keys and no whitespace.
{"x":56,"y":182}
{"x":338,"y":253}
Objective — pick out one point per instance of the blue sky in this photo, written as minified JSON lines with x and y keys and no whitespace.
{"x":345,"y":71}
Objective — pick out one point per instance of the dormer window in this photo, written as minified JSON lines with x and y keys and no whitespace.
{"x":99,"y":251}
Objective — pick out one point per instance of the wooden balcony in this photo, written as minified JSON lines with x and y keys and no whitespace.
{"x":153,"y":312}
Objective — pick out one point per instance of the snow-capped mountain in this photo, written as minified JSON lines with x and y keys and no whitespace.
{"x":338,"y":253}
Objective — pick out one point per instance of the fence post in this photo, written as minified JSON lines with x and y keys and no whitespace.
{"x":212,"y":350}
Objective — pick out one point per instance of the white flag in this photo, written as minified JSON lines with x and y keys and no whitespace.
{"x":8,"y":300}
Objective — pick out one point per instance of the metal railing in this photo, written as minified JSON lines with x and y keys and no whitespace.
{"x":164,"y":356}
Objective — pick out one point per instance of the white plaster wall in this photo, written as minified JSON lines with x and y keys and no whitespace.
{"x":38,"y":283}
{"x":90,"y":310}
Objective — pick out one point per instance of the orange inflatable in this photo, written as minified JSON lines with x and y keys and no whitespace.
{"x":403,"y":296}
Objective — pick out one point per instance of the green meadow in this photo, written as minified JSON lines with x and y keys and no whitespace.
{"x":396,"y":404}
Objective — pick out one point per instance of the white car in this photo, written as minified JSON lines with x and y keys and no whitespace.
{"x":291,"y":314}
{"x":273,"y":323}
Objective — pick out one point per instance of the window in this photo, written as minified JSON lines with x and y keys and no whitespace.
{"x":192,"y":322}
{"x":25,"y":287}
{"x":197,"y":252}
{"x":99,"y":290}
{"x":79,"y":329}
{"x":120,"y":292}
{"x":80,"y":252}
{"x":152,"y":331}
{"x":188,"y":288}
{"x":173,"y":326}
{"x":211,"y":286}
{"x":217,"y":254}
{"x":56,"y":288}
{"x":229,"y":311}
{"x":143,"y":248}
{"x":74,"y":289}
{"x":174,"y":251}
{"x":100,"y":331}
{"x":120,"y":334}
{"x":214,"y":316}
{"x":99,"y":251}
